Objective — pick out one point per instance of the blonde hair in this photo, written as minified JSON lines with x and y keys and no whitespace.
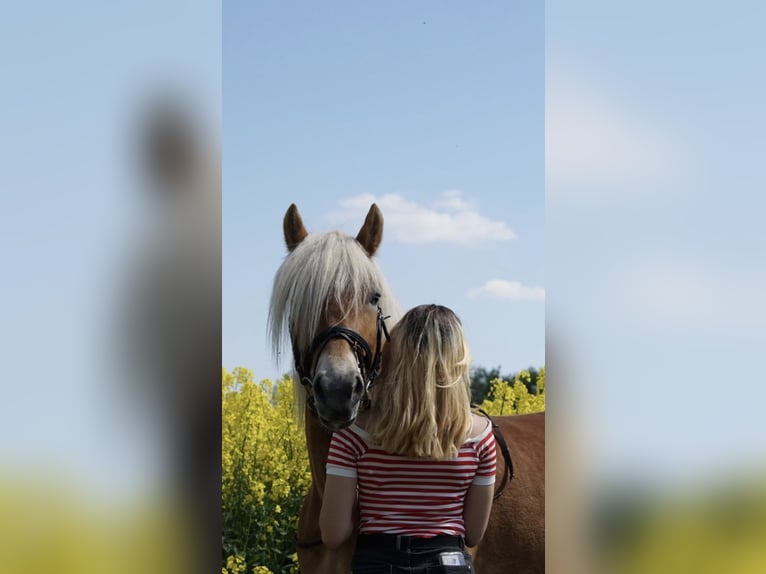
{"x":421,"y":403}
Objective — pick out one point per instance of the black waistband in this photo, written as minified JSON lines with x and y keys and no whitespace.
{"x":397,"y":542}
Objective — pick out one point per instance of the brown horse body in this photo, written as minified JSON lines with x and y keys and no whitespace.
{"x":515,"y":538}
{"x":313,"y":556}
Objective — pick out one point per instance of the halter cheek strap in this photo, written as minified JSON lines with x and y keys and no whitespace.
{"x":381,"y":331}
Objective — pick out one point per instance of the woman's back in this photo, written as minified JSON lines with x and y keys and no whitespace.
{"x":423,"y":465}
{"x":412,"y":496}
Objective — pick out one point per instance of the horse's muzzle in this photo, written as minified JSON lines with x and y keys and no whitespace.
{"x":337,"y":399}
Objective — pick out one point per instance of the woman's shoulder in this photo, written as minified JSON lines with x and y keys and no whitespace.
{"x":352,"y":439}
{"x":480,"y":427}
{"x":359,"y":427}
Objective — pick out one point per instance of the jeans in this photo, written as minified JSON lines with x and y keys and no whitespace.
{"x":391,"y":554}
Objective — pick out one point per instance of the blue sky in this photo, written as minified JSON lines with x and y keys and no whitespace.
{"x":432,"y":110}
{"x":655,"y":236}
{"x":71,"y":208}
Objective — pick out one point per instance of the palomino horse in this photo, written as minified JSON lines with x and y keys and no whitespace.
{"x":330,"y":296}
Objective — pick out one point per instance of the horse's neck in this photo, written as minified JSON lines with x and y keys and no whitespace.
{"x":318,"y":443}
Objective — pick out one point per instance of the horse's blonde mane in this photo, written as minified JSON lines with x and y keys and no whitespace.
{"x":328,"y":268}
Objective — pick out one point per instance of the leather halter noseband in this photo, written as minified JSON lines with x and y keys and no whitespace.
{"x":367,"y":361}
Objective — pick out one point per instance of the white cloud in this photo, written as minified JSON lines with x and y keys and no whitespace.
{"x":452,"y":200}
{"x":599,"y":141}
{"x":508,"y":290}
{"x":451,"y":219}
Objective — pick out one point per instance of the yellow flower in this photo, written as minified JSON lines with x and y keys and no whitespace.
{"x":259,"y":490}
{"x":236,"y":564}
{"x":263,"y":455}
{"x":512,"y":397}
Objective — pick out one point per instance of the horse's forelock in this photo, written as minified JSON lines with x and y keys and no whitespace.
{"x":323,"y":268}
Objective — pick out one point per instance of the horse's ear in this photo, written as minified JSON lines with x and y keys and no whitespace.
{"x":295,"y":232}
{"x":371,"y":233}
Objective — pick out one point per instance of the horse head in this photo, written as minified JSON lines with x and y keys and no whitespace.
{"x":330,"y":296}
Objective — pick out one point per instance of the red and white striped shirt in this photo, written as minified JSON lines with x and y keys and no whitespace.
{"x":410,"y":496}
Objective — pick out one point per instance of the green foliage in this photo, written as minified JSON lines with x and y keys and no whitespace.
{"x":482,"y":378}
{"x":506,"y":398}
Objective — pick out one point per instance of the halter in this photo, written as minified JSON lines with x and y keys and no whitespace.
{"x":508,"y":473}
{"x":367,"y":362}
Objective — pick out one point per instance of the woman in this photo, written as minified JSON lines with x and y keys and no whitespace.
{"x":424,"y":464}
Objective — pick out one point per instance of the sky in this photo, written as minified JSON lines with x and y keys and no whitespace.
{"x":432,"y":110}
{"x":655,"y":246}
{"x":605,"y":154}
{"x":73,"y":210}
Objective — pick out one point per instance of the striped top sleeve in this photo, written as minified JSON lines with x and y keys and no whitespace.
{"x":486,"y":451}
{"x":346,"y":447}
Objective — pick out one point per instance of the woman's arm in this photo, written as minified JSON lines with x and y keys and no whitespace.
{"x":476,"y":510}
{"x":478,"y":500}
{"x":336,"y":519}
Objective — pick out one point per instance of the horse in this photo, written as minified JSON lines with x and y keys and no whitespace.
{"x":330,"y":297}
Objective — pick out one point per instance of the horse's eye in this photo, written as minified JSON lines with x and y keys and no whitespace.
{"x":375,"y":298}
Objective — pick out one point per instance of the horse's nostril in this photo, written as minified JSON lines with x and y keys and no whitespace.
{"x":359,"y":386}
{"x":318,"y":386}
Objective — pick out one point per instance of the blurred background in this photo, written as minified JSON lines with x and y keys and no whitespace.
{"x":110,"y":324}
{"x":654,"y":280}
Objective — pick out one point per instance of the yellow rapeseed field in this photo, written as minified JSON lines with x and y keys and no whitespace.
{"x":266,"y":470}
